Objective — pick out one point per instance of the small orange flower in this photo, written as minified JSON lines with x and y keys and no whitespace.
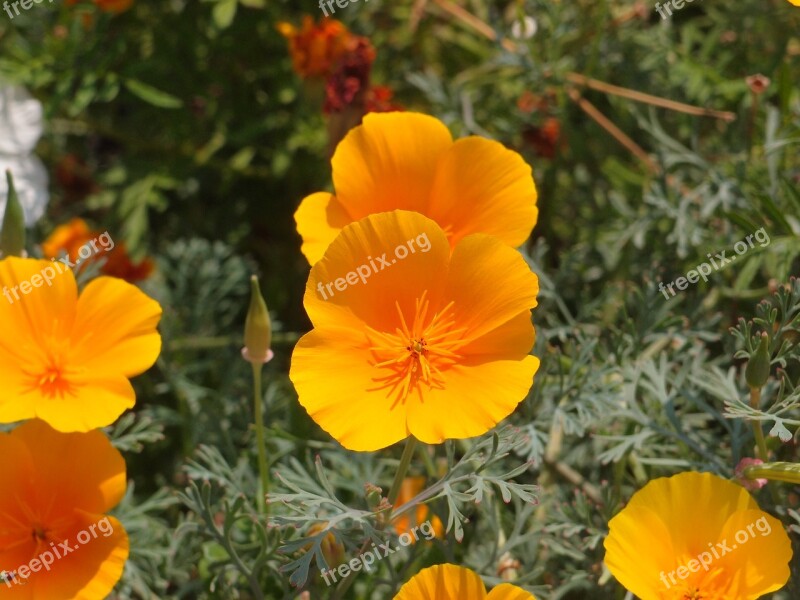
{"x":73,"y":236}
{"x":66,"y":358}
{"x":409,"y":161}
{"x":426,"y":343}
{"x":57,"y":489}
{"x":451,"y":582}
{"x":410,"y":487}
{"x":316,"y":47}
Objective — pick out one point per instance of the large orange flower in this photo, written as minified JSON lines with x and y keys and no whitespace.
{"x":450,"y":582}
{"x":316,"y":47}
{"x":55,"y":541}
{"x":67,"y":359}
{"x":409,"y":161}
{"x":696,"y":535}
{"x":432,"y":345}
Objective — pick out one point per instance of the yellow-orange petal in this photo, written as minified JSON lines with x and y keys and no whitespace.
{"x":490,"y":284}
{"x":758,"y":561}
{"x":324,"y":372}
{"x":507,"y":591}
{"x":320,"y":217}
{"x":481,"y":186}
{"x":97,"y":486}
{"x":23,"y":302}
{"x":638,"y":548}
{"x":115,"y":328}
{"x":486,"y":392}
{"x":369,"y":247}
{"x":389,"y":162}
{"x":91,"y":570}
{"x":443,"y":582}
{"x":699,"y":503}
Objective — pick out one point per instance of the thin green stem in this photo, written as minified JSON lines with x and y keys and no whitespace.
{"x":402,"y":469}
{"x":262,"y":448}
{"x":755,"y":401}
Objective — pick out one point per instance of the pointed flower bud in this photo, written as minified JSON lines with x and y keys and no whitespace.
{"x":257,"y":328}
{"x":12,"y":233}
{"x":757,"y":371}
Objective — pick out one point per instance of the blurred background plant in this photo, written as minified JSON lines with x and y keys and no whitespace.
{"x":182,"y":129}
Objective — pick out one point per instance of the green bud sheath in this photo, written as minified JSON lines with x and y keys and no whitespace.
{"x":257,"y":328}
{"x":12,"y":234}
{"x":757,"y":371}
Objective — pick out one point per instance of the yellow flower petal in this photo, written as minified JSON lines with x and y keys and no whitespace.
{"x":506,"y":591}
{"x":474,"y":178}
{"x":320,"y":217}
{"x":443,"y":582}
{"x":389,"y":163}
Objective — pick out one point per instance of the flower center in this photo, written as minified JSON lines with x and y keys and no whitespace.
{"x":415,"y":356}
{"x":48,"y":371}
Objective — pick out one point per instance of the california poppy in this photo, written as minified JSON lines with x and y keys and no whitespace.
{"x":696,"y":535}
{"x":411,"y":340}
{"x":66,"y":358}
{"x":56,"y":541}
{"x":409,"y":161}
{"x":451,"y":582}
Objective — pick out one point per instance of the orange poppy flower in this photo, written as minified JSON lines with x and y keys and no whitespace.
{"x":73,"y":236}
{"x":451,"y":582}
{"x":316,"y":47}
{"x":414,"y":340}
{"x":409,"y":489}
{"x":55,"y":541}
{"x":67,"y":359}
{"x":408,"y":161}
{"x":696,"y":535}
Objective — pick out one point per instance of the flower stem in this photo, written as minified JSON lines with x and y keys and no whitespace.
{"x":755,"y":400}
{"x":262,"y":449}
{"x":779,"y":471}
{"x":402,"y":469}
